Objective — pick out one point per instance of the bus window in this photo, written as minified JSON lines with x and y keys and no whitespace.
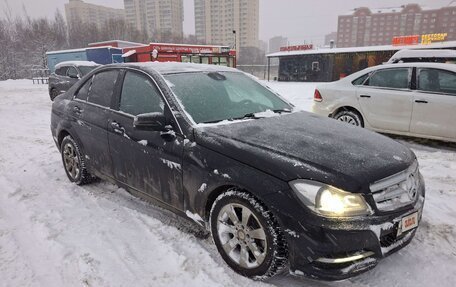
{"x":185,"y":59}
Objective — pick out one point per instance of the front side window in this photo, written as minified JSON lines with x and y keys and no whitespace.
{"x":217,"y":96}
{"x":72,"y":72}
{"x":61,"y":71}
{"x":437,"y":81}
{"x":390,"y":78}
{"x":102,"y":90}
{"x":140,"y":95}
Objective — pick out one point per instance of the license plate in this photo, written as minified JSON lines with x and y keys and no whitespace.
{"x":408,"y":222}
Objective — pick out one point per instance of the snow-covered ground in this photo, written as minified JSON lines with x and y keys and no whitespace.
{"x":53,"y":233}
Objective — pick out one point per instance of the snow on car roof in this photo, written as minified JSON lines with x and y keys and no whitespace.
{"x":449,"y":44}
{"x":77,"y":64}
{"x":428,"y":53}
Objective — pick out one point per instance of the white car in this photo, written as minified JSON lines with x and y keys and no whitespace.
{"x":413,"y":99}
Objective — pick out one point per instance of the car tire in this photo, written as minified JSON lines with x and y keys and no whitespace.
{"x":247,"y":235}
{"x":53,"y":93}
{"x":350,"y":117}
{"x":73,"y":162}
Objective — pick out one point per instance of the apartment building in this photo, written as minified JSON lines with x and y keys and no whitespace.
{"x":77,"y":11}
{"x":161,"y":19}
{"x":370,"y":27}
{"x":215,"y":21}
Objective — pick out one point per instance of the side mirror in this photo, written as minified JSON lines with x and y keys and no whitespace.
{"x":150,"y":121}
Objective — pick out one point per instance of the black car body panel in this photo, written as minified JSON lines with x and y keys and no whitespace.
{"x":187,"y":168}
{"x":304,"y":146}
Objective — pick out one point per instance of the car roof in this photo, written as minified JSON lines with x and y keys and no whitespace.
{"x":77,"y":64}
{"x":442,"y":66}
{"x":166,"y":68}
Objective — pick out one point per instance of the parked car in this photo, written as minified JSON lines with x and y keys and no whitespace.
{"x":413,"y":99}
{"x":275,"y":187}
{"x":67,"y":74}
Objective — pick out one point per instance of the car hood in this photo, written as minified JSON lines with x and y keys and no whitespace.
{"x":306,"y":146}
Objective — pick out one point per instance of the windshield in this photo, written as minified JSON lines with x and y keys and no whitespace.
{"x":86,"y":69}
{"x":215,"y":97}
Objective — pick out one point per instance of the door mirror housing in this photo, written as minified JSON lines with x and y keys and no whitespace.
{"x":151,"y":121}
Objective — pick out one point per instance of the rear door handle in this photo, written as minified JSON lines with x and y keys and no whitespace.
{"x":77,"y":110}
{"x":118,"y":129}
{"x":421,"y":101}
{"x":365,"y":96}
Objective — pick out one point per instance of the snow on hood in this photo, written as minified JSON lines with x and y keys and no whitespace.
{"x":303,"y":145}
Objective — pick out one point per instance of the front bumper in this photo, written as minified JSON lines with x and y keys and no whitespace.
{"x":339,"y":249}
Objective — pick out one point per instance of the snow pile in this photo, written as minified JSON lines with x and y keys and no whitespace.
{"x":54,"y":233}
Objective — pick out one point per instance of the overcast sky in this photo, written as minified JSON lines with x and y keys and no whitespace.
{"x":299,"y":20}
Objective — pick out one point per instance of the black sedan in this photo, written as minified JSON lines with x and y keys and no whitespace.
{"x":276,"y":188}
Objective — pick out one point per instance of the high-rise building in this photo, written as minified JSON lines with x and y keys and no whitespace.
{"x":162,"y":20}
{"x":276,"y":43}
{"x":370,"y":27}
{"x":221,"y":22}
{"x":77,"y":11}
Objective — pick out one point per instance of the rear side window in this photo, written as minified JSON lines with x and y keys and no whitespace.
{"x":140,"y":95}
{"x":390,"y":78}
{"x":83,"y":92}
{"x":437,"y":81}
{"x":102,"y":90}
{"x":360,"y":80}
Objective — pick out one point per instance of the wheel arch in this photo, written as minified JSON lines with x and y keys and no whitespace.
{"x":351,"y":109}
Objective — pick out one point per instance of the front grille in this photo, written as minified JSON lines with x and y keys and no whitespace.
{"x":397,"y":190}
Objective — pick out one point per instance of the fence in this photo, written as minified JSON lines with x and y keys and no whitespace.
{"x":261,"y":71}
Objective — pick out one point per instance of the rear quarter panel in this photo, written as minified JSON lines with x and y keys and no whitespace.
{"x":336,"y":95}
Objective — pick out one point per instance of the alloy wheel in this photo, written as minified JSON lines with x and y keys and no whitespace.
{"x":242,"y":236}
{"x":71,"y":160}
{"x":348,"y":119}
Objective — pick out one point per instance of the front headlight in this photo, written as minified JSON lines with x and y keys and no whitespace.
{"x":330,"y":201}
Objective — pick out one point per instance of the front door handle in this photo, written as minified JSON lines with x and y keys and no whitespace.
{"x":365,"y":96}
{"x":421,"y":101}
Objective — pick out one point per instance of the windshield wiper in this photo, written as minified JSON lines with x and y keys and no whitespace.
{"x":246,"y":116}
{"x":280,"y":111}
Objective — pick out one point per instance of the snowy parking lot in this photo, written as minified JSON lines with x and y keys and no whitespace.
{"x":54,"y":233}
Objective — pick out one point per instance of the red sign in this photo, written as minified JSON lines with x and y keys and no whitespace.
{"x":406,"y":40}
{"x":190,"y":49}
{"x":296,"y":48}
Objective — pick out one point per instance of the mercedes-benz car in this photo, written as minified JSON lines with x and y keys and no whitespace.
{"x":277,"y":188}
{"x":411,"y":99}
